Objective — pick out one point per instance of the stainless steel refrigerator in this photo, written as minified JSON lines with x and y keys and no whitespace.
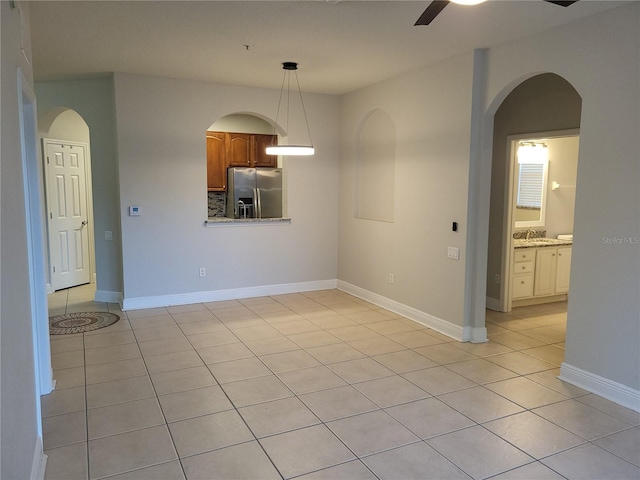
{"x":254,"y":192}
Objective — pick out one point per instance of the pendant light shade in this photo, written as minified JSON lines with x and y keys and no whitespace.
{"x":290,"y":150}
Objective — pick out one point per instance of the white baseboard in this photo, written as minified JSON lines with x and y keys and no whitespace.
{"x":39,"y":464}
{"x":614,"y":391}
{"x":494,"y":304}
{"x":230,"y":294}
{"x":108,"y":297}
{"x":475,"y":334}
{"x":447,"y":328}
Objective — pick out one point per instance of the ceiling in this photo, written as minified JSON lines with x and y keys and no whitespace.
{"x":340,"y":45}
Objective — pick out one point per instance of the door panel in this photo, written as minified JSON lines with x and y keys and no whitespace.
{"x":68,"y":213}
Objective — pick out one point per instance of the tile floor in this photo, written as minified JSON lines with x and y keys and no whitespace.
{"x":322,"y":385}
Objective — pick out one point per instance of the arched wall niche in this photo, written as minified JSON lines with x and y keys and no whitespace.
{"x":375,"y":167}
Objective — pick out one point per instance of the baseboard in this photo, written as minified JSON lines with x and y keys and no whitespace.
{"x":475,"y":334}
{"x":494,"y":304}
{"x":447,"y":328}
{"x":108,"y":297}
{"x":614,"y":391}
{"x":230,"y":294}
{"x":39,"y":462}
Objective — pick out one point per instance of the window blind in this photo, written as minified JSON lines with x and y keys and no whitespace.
{"x":530,"y":185}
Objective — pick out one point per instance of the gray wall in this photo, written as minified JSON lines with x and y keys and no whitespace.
{"x":600,"y":57}
{"x":543,"y":103}
{"x":431,"y":110}
{"x":19,"y":415}
{"x":93,"y":99}
{"x":162,"y":168}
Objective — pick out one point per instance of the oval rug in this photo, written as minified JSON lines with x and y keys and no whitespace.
{"x":80,"y":322}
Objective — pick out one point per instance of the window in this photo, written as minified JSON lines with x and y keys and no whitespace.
{"x":530,"y":185}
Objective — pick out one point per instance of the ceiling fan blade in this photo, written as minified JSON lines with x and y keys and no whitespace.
{"x":562,"y":3}
{"x":431,"y":12}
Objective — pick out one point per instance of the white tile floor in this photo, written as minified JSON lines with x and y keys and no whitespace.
{"x":322,"y":385}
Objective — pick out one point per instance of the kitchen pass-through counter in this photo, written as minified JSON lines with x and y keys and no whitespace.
{"x":245,"y":222}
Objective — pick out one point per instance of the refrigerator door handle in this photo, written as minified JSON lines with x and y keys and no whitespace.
{"x":258,"y":209}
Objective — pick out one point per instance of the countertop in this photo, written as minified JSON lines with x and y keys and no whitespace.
{"x":227,"y":222}
{"x":540,"y":243}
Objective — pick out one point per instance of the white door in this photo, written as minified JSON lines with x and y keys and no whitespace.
{"x":68,"y":213}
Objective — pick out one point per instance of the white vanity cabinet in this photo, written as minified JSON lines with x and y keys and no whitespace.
{"x":540,"y":275}
{"x":523,"y":268}
{"x":563,"y":269}
{"x":546,"y":262}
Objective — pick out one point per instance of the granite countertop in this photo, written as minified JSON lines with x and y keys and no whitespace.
{"x":224,"y":221}
{"x":540,"y":243}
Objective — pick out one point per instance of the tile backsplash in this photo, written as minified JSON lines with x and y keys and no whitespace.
{"x":217,"y":204}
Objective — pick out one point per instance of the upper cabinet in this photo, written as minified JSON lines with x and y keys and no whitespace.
{"x":260,"y":157}
{"x":240,"y":146}
{"x":228,"y":149}
{"x":216,"y":161}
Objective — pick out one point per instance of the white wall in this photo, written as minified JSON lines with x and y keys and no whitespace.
{"x":162,"y":167}
{"x":563,"y":168}
{"x":19,"y":414}
{"x":600,"y":57}
{"x":241,"y":123}
{"x":431,"y":110}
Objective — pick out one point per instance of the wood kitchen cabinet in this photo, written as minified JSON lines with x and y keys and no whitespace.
{"x":260,"y":157}
{"x":216,"y":161}
{"x":239,"y":150}
{"x":228,"y":149}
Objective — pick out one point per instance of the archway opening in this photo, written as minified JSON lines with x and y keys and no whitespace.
{"x":65,"y":143}
{"x":543,"y":107}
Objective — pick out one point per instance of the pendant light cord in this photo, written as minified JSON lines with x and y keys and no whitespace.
{"x":287,"y":78}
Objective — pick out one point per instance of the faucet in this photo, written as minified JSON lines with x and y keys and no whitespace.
{"x":530,"y":232}
{"x":242,"y":207}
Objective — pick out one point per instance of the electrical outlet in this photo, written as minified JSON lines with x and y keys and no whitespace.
{"x":391,"y":278}
{"x":203,"y":272}
{"x":108,"y":235}
{"x":497,"y":278}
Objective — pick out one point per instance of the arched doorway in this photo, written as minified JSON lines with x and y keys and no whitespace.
{"x":542,"y":103}
{"x":65,"y":143}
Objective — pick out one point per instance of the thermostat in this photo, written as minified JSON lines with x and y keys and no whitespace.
{"x":134,"y":211}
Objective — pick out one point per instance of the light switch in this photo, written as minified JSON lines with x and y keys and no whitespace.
{"x":453,"y":252}
{"x":134,"y":211}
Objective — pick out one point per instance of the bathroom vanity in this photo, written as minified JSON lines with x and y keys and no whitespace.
{"x":540,"y":271}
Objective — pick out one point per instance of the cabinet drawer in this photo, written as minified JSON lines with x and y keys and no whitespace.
{"x":523,"y":267}
{"x":522,"y":286}
{"x":524,"y":255}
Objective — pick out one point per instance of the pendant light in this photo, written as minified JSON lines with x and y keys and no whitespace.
{"x":290,"y":150}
